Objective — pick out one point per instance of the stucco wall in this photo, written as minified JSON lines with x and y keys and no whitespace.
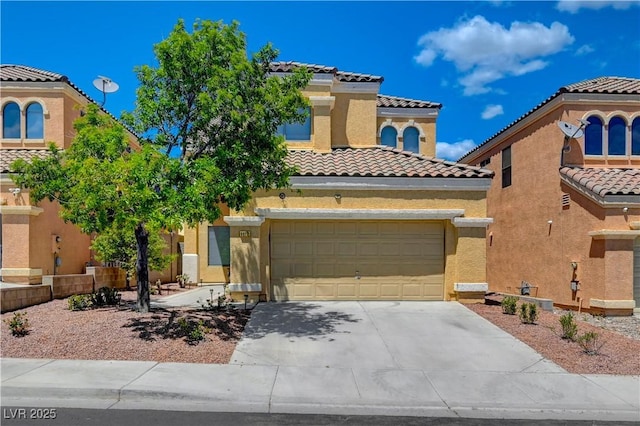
{"x":523,"y":245}
{"x":354,"y":120}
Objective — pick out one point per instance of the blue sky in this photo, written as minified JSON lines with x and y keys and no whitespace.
{"x":487,"y":62}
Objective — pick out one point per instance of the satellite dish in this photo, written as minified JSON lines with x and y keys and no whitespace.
{"x":105,"y":85}
{"x":570,"y":130}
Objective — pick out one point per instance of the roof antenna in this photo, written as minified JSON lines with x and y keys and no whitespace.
{"x":571,"y":131}
{"x":105,"y":85}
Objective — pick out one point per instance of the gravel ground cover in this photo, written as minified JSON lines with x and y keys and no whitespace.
{"x":620,"y":337}
{"x":121,"y":333}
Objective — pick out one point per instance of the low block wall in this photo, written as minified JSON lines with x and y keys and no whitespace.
{"x":66,"y":285}
{"x":108,"y":276}
{"x":13,"y":298}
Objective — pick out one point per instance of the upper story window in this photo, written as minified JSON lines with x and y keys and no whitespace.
{"x":35,"y":122}
{"x":411,"y":139}
{"x":593,"y":136}
{"x":389,"y":136}
{"x":297,"y":131}
{"x":506,"y":167}
{"x":617,"y":141}
{"x":11,"y":121}
{"x":635,"y":136}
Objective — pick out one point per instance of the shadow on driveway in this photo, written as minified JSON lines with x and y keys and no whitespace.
{"x":293,"y":319}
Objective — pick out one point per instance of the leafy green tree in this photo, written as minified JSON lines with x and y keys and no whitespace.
{"x":205,"y":98}
{"x":119,"y":245}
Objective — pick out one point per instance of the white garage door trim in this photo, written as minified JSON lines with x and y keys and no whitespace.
{"x":363,"y":214}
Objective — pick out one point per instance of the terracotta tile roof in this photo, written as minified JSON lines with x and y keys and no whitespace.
{"x":600,"y":85}
{"x":397,"y":102}
{"x":605,"y":85}
{"x":322,"y":69}
{"x":378,"y":162}
{"x":23,"y":73}
{"x":8,"y":156}
{"x":603,"y":182}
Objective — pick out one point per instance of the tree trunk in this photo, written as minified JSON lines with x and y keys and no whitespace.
{"x":142,"y":268}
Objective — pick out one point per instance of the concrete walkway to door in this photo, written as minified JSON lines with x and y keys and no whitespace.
{"x":431,"y":336}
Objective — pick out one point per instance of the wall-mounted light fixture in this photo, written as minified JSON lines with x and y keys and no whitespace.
{"x":337,"y":196}
{"x":282,"y":195}
{"x":625,"y":209}
{"x":14,"y":191}
{"x":574,"y":265}
{"x":550,"y":222}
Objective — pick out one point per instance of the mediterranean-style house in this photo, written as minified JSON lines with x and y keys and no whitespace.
{"x":566,"y":209}
{"x":39,"y":107}
{"x":370,"y":214}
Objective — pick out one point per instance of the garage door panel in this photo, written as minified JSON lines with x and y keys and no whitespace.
{"x":302,"y":248}
{"x":324,"y":260}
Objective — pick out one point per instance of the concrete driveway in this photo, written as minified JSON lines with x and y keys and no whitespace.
{"x":428,"y":336}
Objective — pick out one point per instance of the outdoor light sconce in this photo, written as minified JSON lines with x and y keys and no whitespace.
{"x":574,"y":265}
{"x":575,"y":285}
{"x":282,"y":195}
{"x":246,"y":298}
{"x":14,"y":191}
{"x":337,"y":196}
{"x":625,"y":209}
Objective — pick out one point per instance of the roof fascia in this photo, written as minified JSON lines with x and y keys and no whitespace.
{"x":368,"y":183}
{"x":408,"y":112}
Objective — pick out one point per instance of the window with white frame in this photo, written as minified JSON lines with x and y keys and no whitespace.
{"x":389,"y":136}
{"x":219,"y":246}
{"x":635,"y":136}
{"x":297,"y":131}
{"x":617,"y":136}
{"x":411,"y":139}
{"x":593,"y":140}
{"x":11,"y":121}
{"x":35,"y":121}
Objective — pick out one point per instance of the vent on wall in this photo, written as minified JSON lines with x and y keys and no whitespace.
{"x":566,"y":200}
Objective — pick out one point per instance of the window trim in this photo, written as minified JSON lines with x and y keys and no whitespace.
{"x":26,"y":121}
{"x":395,"y":139}
{"x":282,"y":129}
{"x":404,"y":131}
{"x":4,"y":121}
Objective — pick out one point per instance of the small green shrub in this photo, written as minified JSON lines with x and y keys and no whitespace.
{"x":590,"y":343}
{"x":105,"y":296}
{"x":79,"y":302}
{"x":19,"y":324}
{"x":195,"y":332}
{"x":528,"y":313}
{"x":509,"y":304}
{"x":569,"y":327}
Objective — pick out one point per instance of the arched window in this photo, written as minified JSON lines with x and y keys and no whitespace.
{"x":35,"y":122}
{"x":635,"y":137}
{"x":593,"y":136}
{"x":11,"y":121}
{"x":389,"y":136}
{"x":617,"y":136}
{"x":411,"y":138}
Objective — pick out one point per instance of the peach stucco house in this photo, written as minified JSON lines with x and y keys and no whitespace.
{"x":39,"y":107}
{"x":567,"y":214}
{"x":370,"y":214}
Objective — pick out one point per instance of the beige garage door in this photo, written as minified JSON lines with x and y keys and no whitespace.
{"x":357,"y":260}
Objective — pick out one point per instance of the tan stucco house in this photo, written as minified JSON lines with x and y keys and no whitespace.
{"x":39,"y":107}
{"x":567,"y":211}
{"x":370,"y":215}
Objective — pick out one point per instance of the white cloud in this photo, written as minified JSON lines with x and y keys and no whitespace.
{"x":492,"y":111}
{"x":585,"y":49}
{"x":485,"y":52}
{"x":453,"y":151}
{"x":573,"y":6}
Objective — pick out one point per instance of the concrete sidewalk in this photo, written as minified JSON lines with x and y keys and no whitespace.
{"x":346,"y":391}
